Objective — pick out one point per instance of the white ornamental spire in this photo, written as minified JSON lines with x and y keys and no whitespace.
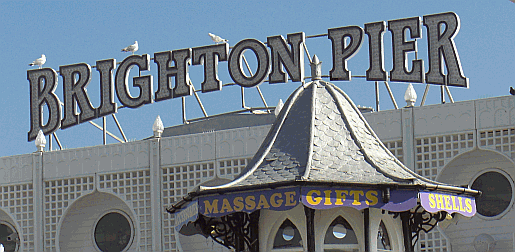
{"x":410,"y":96}
{"x":40,"y":141}
{"x":158,"y":127}
{"x":316,"y":68}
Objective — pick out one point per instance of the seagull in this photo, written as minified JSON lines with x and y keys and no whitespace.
{"x":131,"y":48}
{"x":512,"y":91}
{"x":217,"y":39}
{"x":39,"y":62}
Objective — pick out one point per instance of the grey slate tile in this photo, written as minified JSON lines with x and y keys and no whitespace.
{"x":320,"y":122}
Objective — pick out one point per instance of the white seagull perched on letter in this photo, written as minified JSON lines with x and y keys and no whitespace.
{"x":131,"y":48}
{"x":39,"y":62}
{"x":217,"y":39}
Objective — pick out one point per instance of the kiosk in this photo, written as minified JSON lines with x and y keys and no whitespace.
{"x":321,"y":181}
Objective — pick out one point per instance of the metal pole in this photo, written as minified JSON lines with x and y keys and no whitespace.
{"x":307,"y":53}
{"x":391,"y":95}
{"x":377,"y":96}
{"x":442,"y":94}
{"x":257,"y":87}
{"x":57,"y":141}
{"x":109,"y":133}
{"x":198,"y":99}
{"x":184,"y":120}
{"x":104,"y":129}
{"x":119,"y":127}
{"x":425,"y":95}
{"x":242,"y":98}
{"x":263,"y":99}
{"x":50,"y":142}
{"x":449,"y":94}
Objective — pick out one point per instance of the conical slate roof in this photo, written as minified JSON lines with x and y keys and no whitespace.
{"x":321,"y":136}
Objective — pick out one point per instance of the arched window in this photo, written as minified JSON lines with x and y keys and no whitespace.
{"x":288,"y":237}
{"x":340,"y":237}
{"x":383,"y":239}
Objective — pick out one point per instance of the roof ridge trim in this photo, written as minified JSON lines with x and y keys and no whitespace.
{"x":307,"y":170}
{"x":335,"y":88}
{"x":275,"y":131}
{"x":351,"y":130}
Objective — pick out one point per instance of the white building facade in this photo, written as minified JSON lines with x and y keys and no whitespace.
{"x":65,"y":200}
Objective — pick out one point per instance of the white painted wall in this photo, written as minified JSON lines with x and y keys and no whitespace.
{"x":463,"y":170}
{"x":470,"y":117}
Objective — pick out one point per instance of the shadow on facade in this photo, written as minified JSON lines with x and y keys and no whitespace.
{"x":91,"y":223}
{"x":492,"y":173}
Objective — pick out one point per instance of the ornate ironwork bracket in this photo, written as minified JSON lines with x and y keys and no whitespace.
{"x":418,"y":220}
{"x":235,"y":231}
{"x":421,"y":220}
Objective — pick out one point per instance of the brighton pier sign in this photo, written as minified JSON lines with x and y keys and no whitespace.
{"x":283,"y":55}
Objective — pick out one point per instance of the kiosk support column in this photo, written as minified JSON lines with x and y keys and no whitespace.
{"x":310,"y":228}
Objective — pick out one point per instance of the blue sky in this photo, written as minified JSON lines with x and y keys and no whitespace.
{"x":74,"y":32}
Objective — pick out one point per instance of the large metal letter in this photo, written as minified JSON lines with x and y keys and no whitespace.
{"x":375,"y":32}
{"x":401,"y":47}
{"x":236,"y":68}
{"x":209,"y":56}
{"x":181,"y":59}
{"x":40,"y":95}
{"x":343,"y":52}
{"x":441,"y":45}
{"x":107,"y":104}
{"x":292,"y":60}
{"x":75,"y":94}
{"x":144,"y":83}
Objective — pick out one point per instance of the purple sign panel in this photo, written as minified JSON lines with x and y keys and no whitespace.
{"x":276,"y":199}
{"x":189,"y":213}
{"x":359,"y":198}
{"x":435,"y":202}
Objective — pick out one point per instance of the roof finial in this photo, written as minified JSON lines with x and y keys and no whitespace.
{"x":410,"y":96}
{"x":158,"y":127}
{"x":316,"y":68}
{"x":40,"y":141}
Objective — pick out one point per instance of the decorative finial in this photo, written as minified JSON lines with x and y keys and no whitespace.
{"x":279,"y":107}
{"x":158,"y":127}
{"x":316,"y":68}
{"x":40,"y":141}
{"x":410,"y":96}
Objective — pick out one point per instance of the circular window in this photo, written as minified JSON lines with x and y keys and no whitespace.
{"x":288,"y":233}
{"x":496,"y":194}
{"x":340,"y":232}
{"x":113,"y":232}
{"x":8,"y":237}
{"x":288,"y":236}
